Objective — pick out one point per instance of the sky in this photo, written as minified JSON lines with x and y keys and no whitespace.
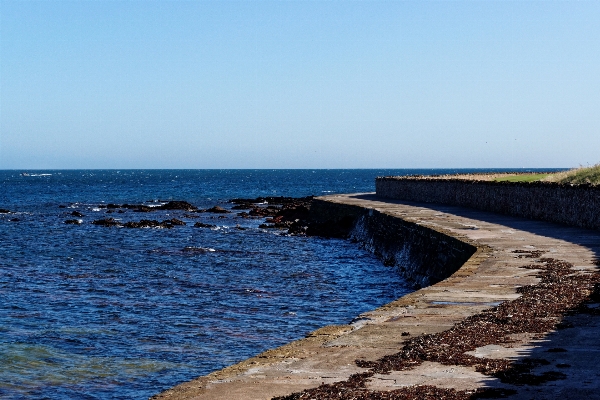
{"x":299,"y":84}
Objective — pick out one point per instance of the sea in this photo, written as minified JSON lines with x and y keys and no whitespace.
{"x":95,"y":312}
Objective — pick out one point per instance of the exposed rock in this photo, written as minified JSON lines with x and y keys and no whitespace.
{"x":142,"y":208}
{"x":177,"y":205}
{"x":217,"y":210}
{"x":73,"y":222}
{"x":174,"y":221}
{"x":106,"y":222}
{"x":77,"y":214}
{"x":203,"y":225}
{"x":4,"y":211}
{"x":145,"y":223}
{"x":243,"y":206}
{"x":264,"y":212}
{"x":292,"y":213}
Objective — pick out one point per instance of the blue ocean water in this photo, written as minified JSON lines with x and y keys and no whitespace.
{"x":92,"y":312}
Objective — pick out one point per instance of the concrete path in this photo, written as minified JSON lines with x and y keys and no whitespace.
{"x":490,"y":277}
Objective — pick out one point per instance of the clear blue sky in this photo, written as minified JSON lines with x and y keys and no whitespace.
{"x":307,"y":84}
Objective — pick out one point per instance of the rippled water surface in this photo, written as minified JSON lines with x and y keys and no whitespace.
{"x":115,"y":313}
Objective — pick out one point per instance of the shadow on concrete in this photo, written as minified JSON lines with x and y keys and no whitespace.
{"x":583,"y":237}
{"x":569,"y":356}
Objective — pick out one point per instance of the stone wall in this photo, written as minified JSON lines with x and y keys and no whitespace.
{"x":566,"y":204}
{"x":422,"y":255}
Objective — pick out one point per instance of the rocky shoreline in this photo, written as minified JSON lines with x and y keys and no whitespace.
{"x":290,"y":214}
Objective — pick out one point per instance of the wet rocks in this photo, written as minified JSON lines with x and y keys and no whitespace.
{"x":142,"y":208}
{"x":106,"y":222}
{"x":170,"y":205}
{"x":203,"y":225}
{"x":73,"y":222}
{"x":77,"y":214}
{"x":217,"y":210}
{"x":4,"y":211}
{"x":264,"y":212}
{"x":177,"y":205}
{"x":291,"y":213}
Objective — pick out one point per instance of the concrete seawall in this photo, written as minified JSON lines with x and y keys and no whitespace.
{"x":423,"y":255}
{"x":475,"y":261}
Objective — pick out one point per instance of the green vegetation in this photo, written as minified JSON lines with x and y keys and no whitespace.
{"x":590,"y":175}
{"x":577,"y":176}
{"x":521,"y":178}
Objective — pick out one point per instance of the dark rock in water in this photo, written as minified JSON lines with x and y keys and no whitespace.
{"x":62,"y":206}
{"x":292,"y":213}
{"x":4,"y":211}
{"x":77,"y":214}
{"x":266,"y":226}
{"x":173,"y":221}
{"x":142,"y":208}
{"x":203,"y":225}
{"x":145,"y":223}
{"x":264,"y":212}
{"x":109,"y":211}
{"x":73,"y":222}
{"x":106,"y":222}
{"x":240,"y":228}
{"x":177,"y":205}
{"x":217,"y":210}
{"x":102,"y":206}
{"x":243,"y":206}
{"x":14,"y":220}
{"x":298,"y":228}
{"x":110,"y":205}
{"x":137,"y":207}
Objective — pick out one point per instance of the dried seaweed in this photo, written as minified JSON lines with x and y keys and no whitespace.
{"x":539,"y":309}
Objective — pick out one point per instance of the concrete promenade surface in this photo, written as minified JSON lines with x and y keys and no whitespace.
{"x":490,"y":277}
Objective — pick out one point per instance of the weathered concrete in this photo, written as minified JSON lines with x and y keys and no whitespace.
{"x":490,"y":276}
{"x":575,"y":205}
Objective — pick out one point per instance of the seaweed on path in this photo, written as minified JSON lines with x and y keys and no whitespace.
{"x":539,"y":309}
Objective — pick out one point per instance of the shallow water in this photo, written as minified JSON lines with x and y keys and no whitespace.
{"x":115,"y":313}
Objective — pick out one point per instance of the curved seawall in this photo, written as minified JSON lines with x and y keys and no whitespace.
{"x":423,"y":255}
{"x":477,"y":262}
